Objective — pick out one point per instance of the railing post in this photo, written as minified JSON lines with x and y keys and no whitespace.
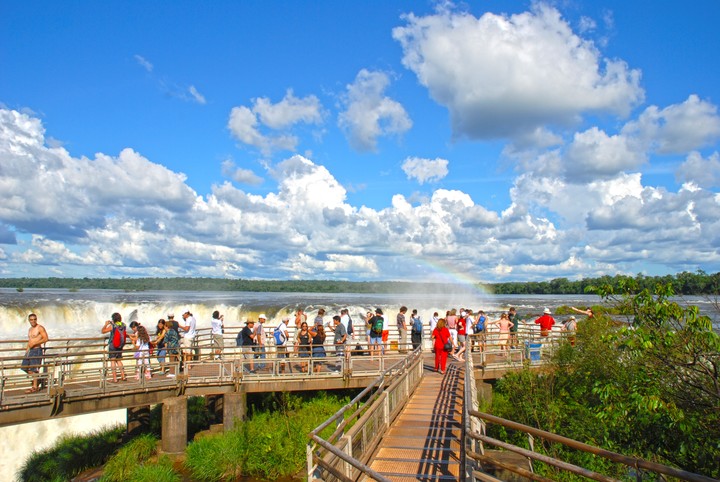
{"x":309,"y":460}
{"x":348,"y":451}
{"x":531,"y":444}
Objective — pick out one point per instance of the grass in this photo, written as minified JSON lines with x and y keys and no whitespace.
{"x":120,"y":467}
{"x":270,"y":445}
{"x":71,"y":455}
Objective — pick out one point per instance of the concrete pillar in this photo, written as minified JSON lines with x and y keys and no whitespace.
{"x":484,"y":394}
{"x":138,"y":421}
{"x":234,"y":408}
{"x":214,"y":405}
{"x":174,"y":425}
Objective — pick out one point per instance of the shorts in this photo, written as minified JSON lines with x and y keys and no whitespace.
{"x":115,"y":353}
{"x":188,"y":344}
{"x":461,"y":338}
{"x":385,"y":335}
{"x":33,"y":359}
{"x":217,"y":340}
{"x":318,"y":352}
{"x":375,"y":339}
{"x":248,"y":352}
{"x":282,"y":351}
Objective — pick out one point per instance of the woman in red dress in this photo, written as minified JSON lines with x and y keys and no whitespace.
{"x":441,"y":335}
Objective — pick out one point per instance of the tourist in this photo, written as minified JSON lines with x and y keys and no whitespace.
{"x":377,"y":325}
{"x":588,"y":312}
{"x":217,"y":328}
{"x":479,"y":329}
{"x":402,"y":330}
{"x":570,"y":326}
{"x":546,"y":322}
{"x":300,"y":317}
{"x":141,"y":340}
{"x":189,"y":341}
{"x":385,"y":333}
{"x":281,"y":344}
{"x":118,"y":337}
{"x":441,"y":342}
{"x":416,"y":329}
{"x":37,"y":337}
{"x":347,"y":322}
{"x":368,"y":326}
{"x":247,"y":338}
{"x":319,"y":317}
{"x":172,"y":338}
{"x":505,"y":325}
{"x":433,"y":324}
{"x":303,"y":344}
{"x":465,"y":324}
{"x":160,"y":343}
{"x":513,"y":316}
{"x":317,"y":332}
{"x":340,"y":338}
{"x":260,"y":341}
{"x":451,"y":322}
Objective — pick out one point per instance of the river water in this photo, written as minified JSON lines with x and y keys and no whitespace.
{"x":66,"y":314}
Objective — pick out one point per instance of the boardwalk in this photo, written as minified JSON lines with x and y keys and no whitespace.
{"x":424,"y":442}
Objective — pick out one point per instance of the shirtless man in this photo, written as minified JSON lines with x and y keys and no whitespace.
{"x":37,"y":336}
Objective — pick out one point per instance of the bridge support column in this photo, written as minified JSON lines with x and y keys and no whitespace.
{"x":138,"y":421}
{"x":234,"y":408}
{"x":174,"y":425}
{"x":214,"y":404}
{"x":484,"y":392}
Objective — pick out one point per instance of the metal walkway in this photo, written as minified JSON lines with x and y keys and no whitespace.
{"x":424,"y":441}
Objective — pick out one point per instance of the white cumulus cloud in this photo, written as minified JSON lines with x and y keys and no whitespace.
{"x":370,"y":114}
{"x":425,"y":170}
{"x":505,"y":76}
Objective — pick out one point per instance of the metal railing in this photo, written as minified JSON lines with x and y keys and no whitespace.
{"x":82,"y":368}
{"x":359,"y":425}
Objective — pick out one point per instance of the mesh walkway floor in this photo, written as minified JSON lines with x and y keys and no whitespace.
{"x":424,"y":441}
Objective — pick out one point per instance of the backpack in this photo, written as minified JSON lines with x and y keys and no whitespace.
{"x":279,"y":336}
{"x":377,"y":326}
{"x":350,"y":329}
{"x":118,"y":335}
{"x":239,"y":339}
{"x":480,"y":325}
{"x":417,"y":326}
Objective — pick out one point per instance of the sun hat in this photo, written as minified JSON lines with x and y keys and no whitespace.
{"x":263,"y":316}
{"x":546,"y":311}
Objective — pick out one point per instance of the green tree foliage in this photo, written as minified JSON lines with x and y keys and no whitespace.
{"x":684,"y":283}
{"x":650,"y":389}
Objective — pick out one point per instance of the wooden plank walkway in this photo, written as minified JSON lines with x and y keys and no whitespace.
{"x":424,"y":442}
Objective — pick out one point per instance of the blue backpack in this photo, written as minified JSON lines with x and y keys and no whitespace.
{"x":417,"y":326}
{"x":480,"y":325}
{"x":279,"y":336}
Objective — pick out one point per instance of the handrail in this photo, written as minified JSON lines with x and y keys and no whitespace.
{"x":384,"y":386}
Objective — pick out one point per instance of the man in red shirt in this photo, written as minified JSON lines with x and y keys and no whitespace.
{"x":546,"y":322}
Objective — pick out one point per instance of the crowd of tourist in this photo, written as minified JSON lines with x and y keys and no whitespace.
{"x":175,"y":342}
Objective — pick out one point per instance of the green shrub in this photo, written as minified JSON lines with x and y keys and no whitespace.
{"x":72,"y":454}
{"x":269,"y":445}
{"x":128,"y":458}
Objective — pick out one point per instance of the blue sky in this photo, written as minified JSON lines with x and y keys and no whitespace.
{"x":485,"y":141}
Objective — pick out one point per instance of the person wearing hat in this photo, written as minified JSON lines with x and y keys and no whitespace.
{"x":570,"y":326}
{"x":247,"y":337}
{"x":260,"y":340}
{"x":281,"y":348}
{"x":546,"y":322}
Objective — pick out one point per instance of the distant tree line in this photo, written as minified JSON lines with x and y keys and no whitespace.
{"x":685,"y":283}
